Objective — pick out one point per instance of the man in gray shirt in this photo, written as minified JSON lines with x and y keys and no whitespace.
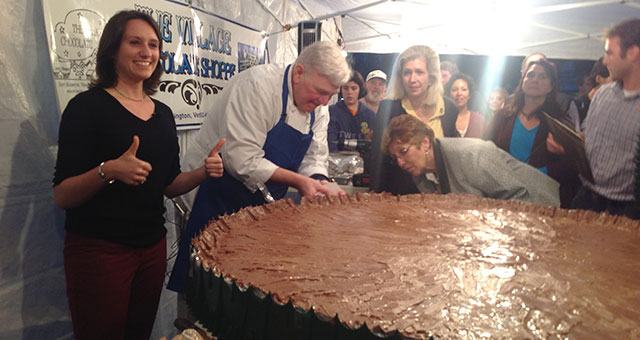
{"x":612,"y":127}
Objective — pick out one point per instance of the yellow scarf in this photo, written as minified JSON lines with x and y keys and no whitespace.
{"x":434,"y":122}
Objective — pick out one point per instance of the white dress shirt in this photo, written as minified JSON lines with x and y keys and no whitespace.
{"x":248,"y":107}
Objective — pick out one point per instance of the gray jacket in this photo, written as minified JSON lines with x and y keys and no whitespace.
{"x":475,"y":166}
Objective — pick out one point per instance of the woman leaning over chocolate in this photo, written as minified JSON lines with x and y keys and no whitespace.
{"x":463,"y":165}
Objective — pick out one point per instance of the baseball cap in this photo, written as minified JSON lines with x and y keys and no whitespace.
{"x":376,"y":74}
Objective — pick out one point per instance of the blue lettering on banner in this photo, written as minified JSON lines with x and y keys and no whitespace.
{"x":209,"y":42}
{"x":207,"y":65}
{"x":185,"y":30}
{"x":205,"y":37}
{"x":164,"y":22}
{"x":186,"y":65}
{"x":203,"y":67}
{"x":218,"y":40}
{"x":215,"y":39}
{"x":224,"y":41}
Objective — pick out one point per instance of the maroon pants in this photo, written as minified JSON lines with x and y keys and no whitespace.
{"x":113,"y":290}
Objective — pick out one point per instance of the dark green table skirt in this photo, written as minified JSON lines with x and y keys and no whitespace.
{"x":234,"y":314}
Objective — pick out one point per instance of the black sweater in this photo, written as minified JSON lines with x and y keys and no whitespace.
{"x":96,"y":128}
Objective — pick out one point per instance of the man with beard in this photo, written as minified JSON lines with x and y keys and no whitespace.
{"x":376,"y":85}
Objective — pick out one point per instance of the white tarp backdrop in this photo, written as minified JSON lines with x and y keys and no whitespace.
{"x":32,"y":289}
{"x":200,"y":54}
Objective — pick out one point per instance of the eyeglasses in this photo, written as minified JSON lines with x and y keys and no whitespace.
{"x":402,"y":152}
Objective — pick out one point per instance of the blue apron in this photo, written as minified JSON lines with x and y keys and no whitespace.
{"x":284,"y":146}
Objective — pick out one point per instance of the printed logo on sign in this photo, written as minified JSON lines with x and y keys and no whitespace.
{"x":76,"y":43}
{"x":191,"y":90}
{"x":201,"y":51}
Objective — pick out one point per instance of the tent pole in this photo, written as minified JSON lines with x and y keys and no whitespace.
{"x":347,"y":11}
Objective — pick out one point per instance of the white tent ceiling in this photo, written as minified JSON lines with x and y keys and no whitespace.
{"x":560,"y":29}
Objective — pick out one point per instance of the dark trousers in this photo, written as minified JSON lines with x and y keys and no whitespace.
{"x":586,"y":199}
{"x":113,"y":290}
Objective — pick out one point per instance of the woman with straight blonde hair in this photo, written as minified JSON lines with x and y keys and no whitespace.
{"x":416,"y":89}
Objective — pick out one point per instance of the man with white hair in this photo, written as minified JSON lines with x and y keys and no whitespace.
{"x":376,"y":85}
{"x":275,"y":123}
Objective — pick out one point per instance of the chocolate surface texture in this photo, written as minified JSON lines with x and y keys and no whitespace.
{"x":451,"y":266}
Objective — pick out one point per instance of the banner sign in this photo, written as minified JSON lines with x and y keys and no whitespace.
{"x":201,"y":51}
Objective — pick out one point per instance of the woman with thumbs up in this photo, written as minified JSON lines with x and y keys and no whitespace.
{"x":118,"y":156}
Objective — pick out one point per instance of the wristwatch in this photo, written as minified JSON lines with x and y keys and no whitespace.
{"x":101,"y":174}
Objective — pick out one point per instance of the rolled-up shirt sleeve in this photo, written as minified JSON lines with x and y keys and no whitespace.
{"x":249,"y":117}
{"x":248,"y":108}
{"x":316,"y":159}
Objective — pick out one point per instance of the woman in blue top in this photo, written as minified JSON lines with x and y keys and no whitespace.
{"x":519,"y":129}
{"x":349,"y":118}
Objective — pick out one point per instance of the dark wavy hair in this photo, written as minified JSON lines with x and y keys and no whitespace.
{"x":467,"y":79}
{"x":357,"y":78}
{"x":550,"y":106}
{"x":599,"y":69}
{"x":110,"y":45}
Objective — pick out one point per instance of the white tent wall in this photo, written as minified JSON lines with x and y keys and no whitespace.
{"x":32,"y":296}
{"x":33,"y":301}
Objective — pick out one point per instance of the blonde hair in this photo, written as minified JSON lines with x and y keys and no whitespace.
{"x":431,"y":59}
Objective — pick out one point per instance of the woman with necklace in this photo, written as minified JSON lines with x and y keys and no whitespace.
{"x":415,"y":89}
{"x":519,"y":127}
{"x":349,"y":118}
{"x":118,"y":156}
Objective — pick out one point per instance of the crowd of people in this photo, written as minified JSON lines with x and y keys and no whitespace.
{"x":118,"y":152}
